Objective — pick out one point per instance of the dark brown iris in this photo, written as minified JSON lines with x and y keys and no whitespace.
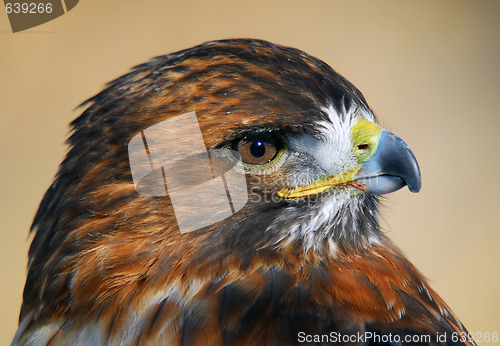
{"x":257,"y":149}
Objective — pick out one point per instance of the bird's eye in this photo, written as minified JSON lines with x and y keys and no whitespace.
{"x":257,"y":149}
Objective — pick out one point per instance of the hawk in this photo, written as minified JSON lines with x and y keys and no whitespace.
{"x":124,"y":254}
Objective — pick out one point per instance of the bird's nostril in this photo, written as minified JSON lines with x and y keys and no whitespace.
{"x":363,"y":147}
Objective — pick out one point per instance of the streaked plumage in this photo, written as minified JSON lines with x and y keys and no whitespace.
{"x":109,"y":266}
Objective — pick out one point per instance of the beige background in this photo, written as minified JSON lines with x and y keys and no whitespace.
{"x":430,"y":70}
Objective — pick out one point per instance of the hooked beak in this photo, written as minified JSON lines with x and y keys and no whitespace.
{"x":391,"y":167}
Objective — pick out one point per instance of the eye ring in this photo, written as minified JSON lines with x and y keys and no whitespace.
{"x":258,"y":149}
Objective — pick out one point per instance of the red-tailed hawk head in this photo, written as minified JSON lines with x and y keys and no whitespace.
{"x":225,"y":194}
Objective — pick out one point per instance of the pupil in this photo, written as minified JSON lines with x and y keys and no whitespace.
{"x":257,"y":149}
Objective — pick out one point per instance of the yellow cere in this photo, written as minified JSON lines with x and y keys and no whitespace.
{"x":365,"y":136}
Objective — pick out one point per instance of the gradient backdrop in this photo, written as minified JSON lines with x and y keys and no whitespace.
{"x":429,"y":69}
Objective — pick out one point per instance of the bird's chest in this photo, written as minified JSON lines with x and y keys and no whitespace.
{"x":270,"y":306}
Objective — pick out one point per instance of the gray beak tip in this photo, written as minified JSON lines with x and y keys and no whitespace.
{"x":391,"y":167}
